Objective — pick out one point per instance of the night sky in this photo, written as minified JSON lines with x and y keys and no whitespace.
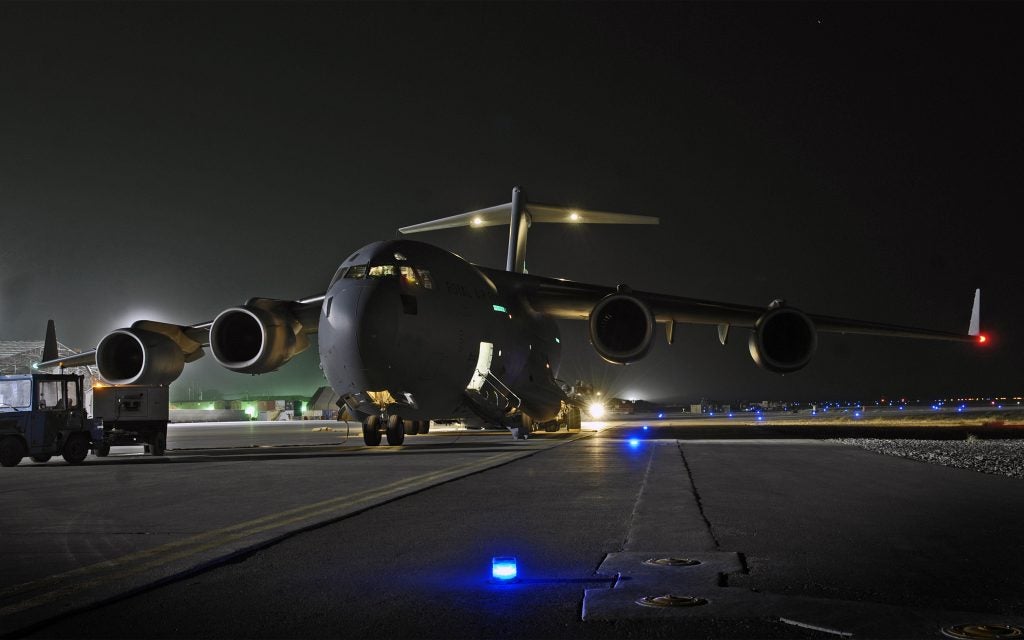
{"x":864,"y":160}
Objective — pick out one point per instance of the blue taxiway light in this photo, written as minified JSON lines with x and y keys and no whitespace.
{"x":660,"y":415}
{"x":634,"y":442}
{"x":503,"y":568}
{"x":646,"y":427}
{"x":856,"y":414}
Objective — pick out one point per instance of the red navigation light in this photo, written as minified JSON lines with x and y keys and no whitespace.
{"x":982,"y":338}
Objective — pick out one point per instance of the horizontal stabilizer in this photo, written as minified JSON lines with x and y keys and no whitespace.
{"x":501,"y":214}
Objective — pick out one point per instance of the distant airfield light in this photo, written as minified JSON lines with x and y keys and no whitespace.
{"x":856,"y":414}
{"x":503,"y":569}
{"x":477,"y":221}
{"x":596,"y":410}
{"x":660,"y":415}
{"x":646,"y":427}
{"x":982,"y":338}
{"x":634,"y":442}
{"x":730,"y":415}
{"x":35,"y":365}
{"x":575,"y":217}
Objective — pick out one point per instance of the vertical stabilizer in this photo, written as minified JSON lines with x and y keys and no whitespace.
{"x":50,"y":344}
{"x":975,"y":328}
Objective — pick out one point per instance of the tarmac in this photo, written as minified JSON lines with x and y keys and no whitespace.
{"x":781,"y":537}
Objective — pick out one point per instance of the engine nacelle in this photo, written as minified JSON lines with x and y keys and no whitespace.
{"x":783,"y":340}
{"x":621,"y":328}
{"x":252,"y":339}
{"x":137,"y":356}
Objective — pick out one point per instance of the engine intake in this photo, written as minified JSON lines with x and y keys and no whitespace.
{"x":137,"y":356}
{"x":621,"y":328}
{"x":783,"y":340}
{"x":252,"y":339}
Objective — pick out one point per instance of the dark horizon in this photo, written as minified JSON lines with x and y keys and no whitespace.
{"x":169,"y":160}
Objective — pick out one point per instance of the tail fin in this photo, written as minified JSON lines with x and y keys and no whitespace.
{"x":50,"y":344}
{"x":975,"y":328}
{"x":519,"y":215}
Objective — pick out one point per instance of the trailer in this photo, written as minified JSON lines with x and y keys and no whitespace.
{"x":131,"y":415}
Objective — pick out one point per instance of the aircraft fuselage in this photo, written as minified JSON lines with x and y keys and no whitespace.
{"x":407,"y":327}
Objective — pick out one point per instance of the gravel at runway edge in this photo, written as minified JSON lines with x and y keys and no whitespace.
{"x":1002,"y":457}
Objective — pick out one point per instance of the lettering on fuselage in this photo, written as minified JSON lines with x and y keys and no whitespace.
{"x":459,"y":289}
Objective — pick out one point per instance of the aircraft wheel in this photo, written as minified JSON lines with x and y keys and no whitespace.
{"x":12,"y":450}
{"x":41,"y":458}
{"x":424,"y":426}
{"x":76,"y":448}
{"x":396,"y":431}
{"x":371,"y":431}
{"x":412,"y":427}
{"x":102,"y":450}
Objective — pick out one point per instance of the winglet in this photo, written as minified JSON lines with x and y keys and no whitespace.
{"x":50,"y":343}
{"x":975,"y":328}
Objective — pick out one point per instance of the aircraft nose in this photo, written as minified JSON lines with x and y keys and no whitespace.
{"x":378,"y":314}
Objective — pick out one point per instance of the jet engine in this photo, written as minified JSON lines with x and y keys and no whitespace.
{"x":783,"y":340}
{"x":138,"y":356}
{"x":621,"y":328}
{"x":256,"y":338}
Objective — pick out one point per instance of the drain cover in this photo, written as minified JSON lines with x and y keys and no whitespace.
{"x":972,"y":631}
{"x":672,"y":562}
{"x":669,"y":600}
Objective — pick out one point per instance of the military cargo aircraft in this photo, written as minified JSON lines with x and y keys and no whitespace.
{"x":410,"y":332}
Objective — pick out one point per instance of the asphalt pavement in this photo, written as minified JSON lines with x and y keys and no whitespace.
{"x":797,"y":538}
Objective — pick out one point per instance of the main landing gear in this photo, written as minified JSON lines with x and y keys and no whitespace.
{"x":394,"y":428}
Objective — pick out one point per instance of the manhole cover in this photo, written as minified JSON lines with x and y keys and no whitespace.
{"x":672,"y":562}
{"x":972,"y":631}
{"x":669,"y":600}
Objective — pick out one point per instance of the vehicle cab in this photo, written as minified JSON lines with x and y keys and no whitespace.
{"x":42,"y":415}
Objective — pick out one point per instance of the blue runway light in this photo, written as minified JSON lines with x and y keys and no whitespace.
{"x":503,"y":568}
{"x":634,"y":442}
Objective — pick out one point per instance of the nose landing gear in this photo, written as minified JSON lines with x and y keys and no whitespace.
{"x":394,"y":429}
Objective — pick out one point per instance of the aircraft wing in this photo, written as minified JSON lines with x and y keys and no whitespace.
{"x":301,"y":316}
{"x":570,"y":300}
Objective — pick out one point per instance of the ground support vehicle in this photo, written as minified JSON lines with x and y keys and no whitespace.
{"x":131,"y":415}
{"x":41,"y":416}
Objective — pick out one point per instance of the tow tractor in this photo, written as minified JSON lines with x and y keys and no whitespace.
{"x":42,"y":415}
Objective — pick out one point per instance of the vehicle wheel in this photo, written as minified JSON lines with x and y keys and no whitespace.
{"x":41,"y":458}
{"x":412,"y":427}
{"x":424,"y":427}
{"x":12,"y":450}
{"x":575,"y":418}
{"x":159,"y":446}
{"x":371,"y":431}
{"x":396,"y":431}
{"x":76,"y":448}
{"x":102,"y":450}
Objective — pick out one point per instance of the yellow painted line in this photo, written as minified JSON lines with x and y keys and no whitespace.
{"x":144,"y":560}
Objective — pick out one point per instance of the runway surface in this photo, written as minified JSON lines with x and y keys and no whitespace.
{"x":797,"y":538}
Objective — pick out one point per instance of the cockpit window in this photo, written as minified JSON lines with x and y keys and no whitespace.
{"x":358,"y":272}
{"x":411,"y":276}
{"x":425,"y":279}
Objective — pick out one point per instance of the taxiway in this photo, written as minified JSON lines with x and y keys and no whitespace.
{"x":796,"y":537}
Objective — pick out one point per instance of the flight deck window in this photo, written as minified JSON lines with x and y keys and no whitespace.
{"x":409,"y":276}
{"x":357,"y":272}
{"x":425,"y":279}
{"x":382,"y":270}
